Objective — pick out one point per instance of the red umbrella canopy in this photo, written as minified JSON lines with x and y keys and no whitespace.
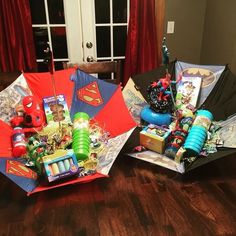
{"x":83,"y":93}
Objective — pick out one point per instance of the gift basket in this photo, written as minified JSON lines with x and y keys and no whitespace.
{"x":60,"y":128}
{"x":185,"y":112}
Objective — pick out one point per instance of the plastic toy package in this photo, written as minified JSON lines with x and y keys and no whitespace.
{"x":56,"y":110}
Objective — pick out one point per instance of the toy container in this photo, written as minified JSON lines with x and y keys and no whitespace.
{"x":18,"y":142}
{"x":80,"y":133}
{"x":198,"y":133}
{"x":154,"y":138}
{"x":59,"y":165}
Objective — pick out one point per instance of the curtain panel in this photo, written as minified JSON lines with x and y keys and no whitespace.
{"x":145,"y":32}
{"x":17,"y":49}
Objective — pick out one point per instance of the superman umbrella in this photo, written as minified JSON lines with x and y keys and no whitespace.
{"x":82,"y":93}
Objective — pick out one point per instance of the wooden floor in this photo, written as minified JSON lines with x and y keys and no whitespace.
{"x":139,"y":198}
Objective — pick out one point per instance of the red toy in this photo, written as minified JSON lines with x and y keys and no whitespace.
{"x":32,"y":115}
{"x":18,"y":142}
{"x":30,"y":118}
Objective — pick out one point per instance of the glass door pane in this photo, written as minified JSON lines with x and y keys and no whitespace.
{"x":103,"y":38}
{"x":38,"y":13}
{"x":102,"y":11}
{"x":48,"y":24}
{"x":56,"y":12}
{"x":111,"y":23}
{"x":119,"y":10}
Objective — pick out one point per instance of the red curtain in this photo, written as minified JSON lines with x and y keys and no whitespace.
{"x":141,"y":47}
{"x":17,"y":50}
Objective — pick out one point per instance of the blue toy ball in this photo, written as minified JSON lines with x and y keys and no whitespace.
{"x":155,"y":118}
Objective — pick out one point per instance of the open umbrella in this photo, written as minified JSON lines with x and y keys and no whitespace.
{"x":218,"y":95}
{"x":82,"y":92}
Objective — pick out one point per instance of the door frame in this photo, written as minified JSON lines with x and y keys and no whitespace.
{"x":72,"y":10}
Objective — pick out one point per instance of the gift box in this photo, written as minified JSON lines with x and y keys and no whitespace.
{"x":154,"y":137}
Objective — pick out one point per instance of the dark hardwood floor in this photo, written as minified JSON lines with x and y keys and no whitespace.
{"x":139,"y":198}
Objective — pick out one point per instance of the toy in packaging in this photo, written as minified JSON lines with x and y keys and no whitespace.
{"x":81,"y":140}
{"x":188,"y":91}
{"x":179,"y":132}
{"x":18,"y":142}
{"x":198,"y":133}
{"x":154,"y":137}
{"x":59,"y":165}
{"x":56,"y":110}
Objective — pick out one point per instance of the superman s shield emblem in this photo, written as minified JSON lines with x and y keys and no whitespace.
{"x":19,"y":169}
{"x":90,"y":94}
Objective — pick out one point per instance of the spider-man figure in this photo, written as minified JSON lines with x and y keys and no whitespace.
{"x":159,"y":95}
{"x":33,"y":115}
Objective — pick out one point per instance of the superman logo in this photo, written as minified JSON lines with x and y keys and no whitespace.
{"x":19,"y":169}
{"x":90,"y":94}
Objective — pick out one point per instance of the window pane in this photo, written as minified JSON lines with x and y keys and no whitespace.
{"x":59,"y":43}
{"x":37,"y":12}
{"x":40,"y":40}
{"x":102,"y":11}
{"x":120,"y":34}
{"x":103,"y":41}
{"x":42,"y":67}
{"x":56,"y":12}
{"x":119,"y":11}
{"x":58,"y":65}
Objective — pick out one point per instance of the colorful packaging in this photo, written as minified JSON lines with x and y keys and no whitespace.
{"x":18,"y":142}
{"x":81,"y":140}
{"x":154,"y":137}
{"x":56,"y":110}
{"x":60,"y":165}
{"x":198,"y":133}
{"x":187,"y":91}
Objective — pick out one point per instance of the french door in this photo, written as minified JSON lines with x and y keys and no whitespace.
{"x":80,"y":30}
